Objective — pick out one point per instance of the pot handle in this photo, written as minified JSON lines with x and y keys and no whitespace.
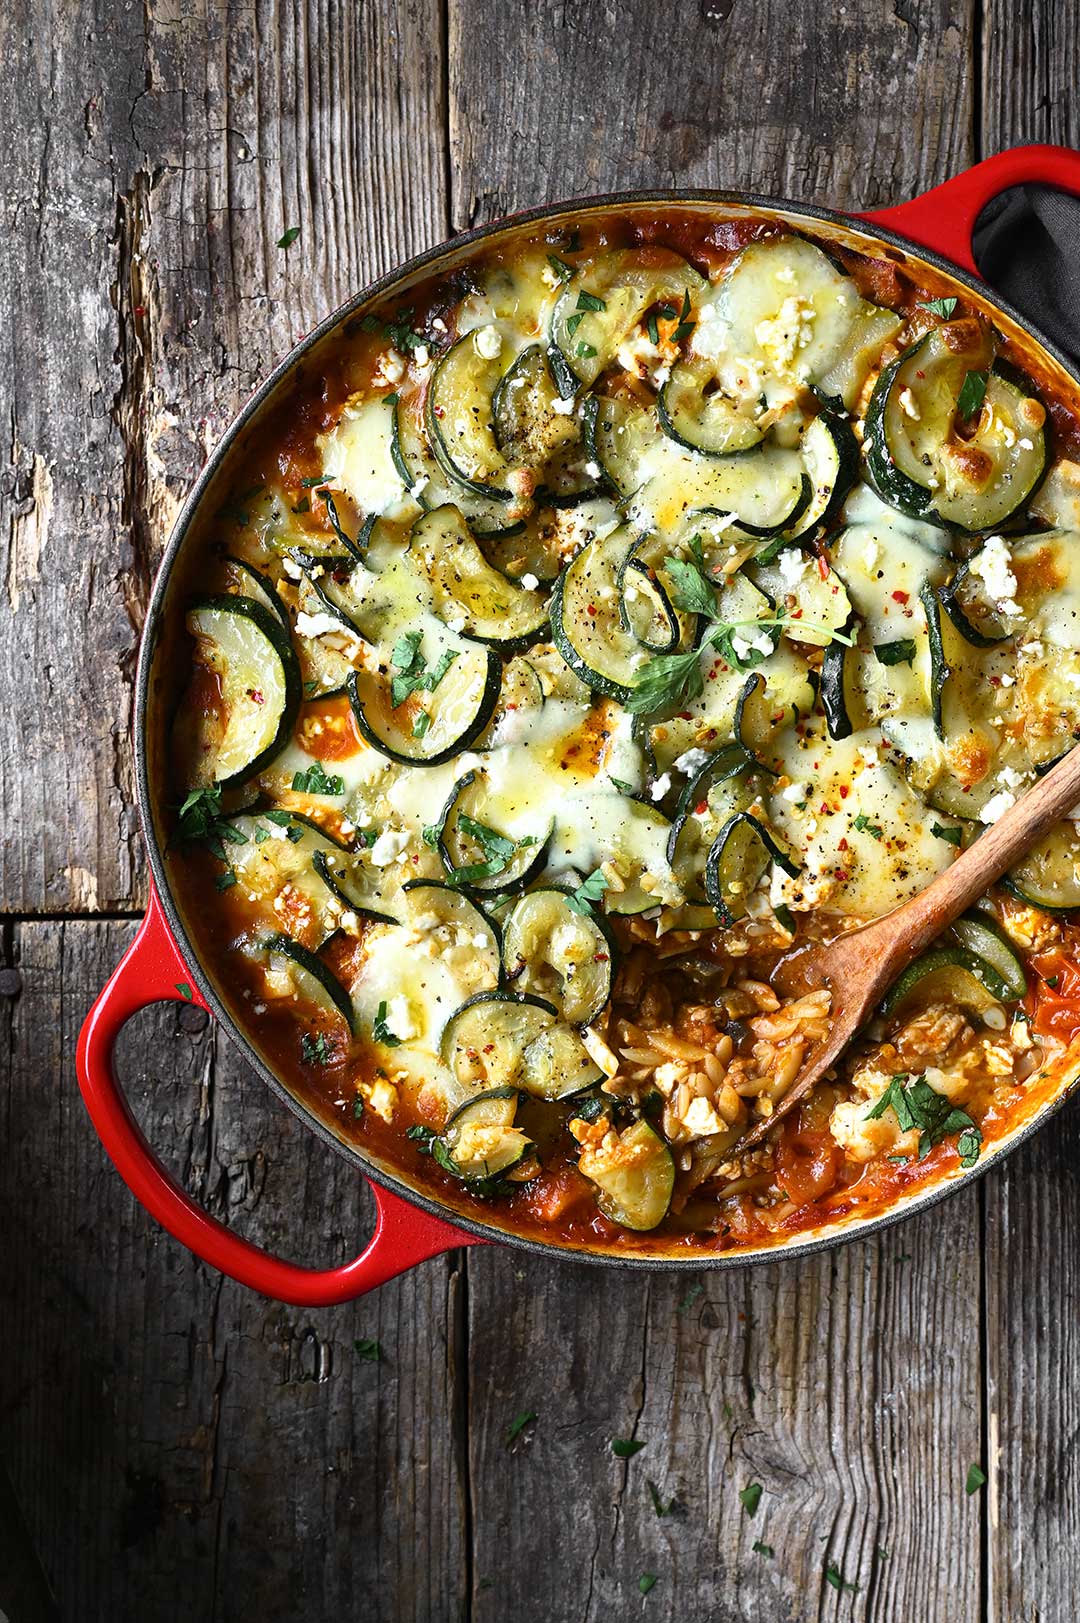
{"x":944,"y":218}
{"x":152,"y":971}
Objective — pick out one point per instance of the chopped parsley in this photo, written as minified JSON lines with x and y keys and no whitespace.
{"x":294,"y":831}
{"x":915,"y":1104}
{"x":834,"y":1576}
{"x":899,"y":652}
{"x":421,"y":1135}
{"x":517,"y":1426}
{"x":624,"y":1448}
{"x":314,"y":1050}
{"x":289,"y":236}
{"x":750,"y":1497}
{"x":623,"y":788}
{"x":865,"y":826}
{"x":185,"y":991}
{"x":421,"y":724}
{"x":358,"y":1107}
{"x":585,"y":351}
{"x":953,"y":835}
{"x":315,"y":781}
{"x":562,"y":270}
{"x":692,"y":591}
{"x":657,"y":1503}
{"x":691,"y":1297}
{"x":588,"y":892}
{"x":226,"y":880}
{"x":498,"y":851}
{"x":972,"y":394}
{"x":939,"y":307}
{"x":760,"y":1548}
{"x":652,"y":329}
{"x":413,"y":675}
{"x":976,"y":1478}
{"x":647,"y":1581}
{"x":368,"y":1350}
{"x":381,"y":1031}
{"x":201,"y":823}
{"x":686,"y":326}
{"x":574,"y":322}
{"x":589,"y":301}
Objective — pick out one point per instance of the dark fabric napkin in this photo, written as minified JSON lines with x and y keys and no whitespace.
{"x":1027,"y":246}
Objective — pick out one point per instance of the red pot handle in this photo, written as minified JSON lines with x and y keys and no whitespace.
{"x":944,"y":218}
{"x":152,"y":971}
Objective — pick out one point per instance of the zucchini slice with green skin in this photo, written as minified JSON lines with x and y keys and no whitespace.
{"x":460,"y":418}
{"x":645,"y":609}
{"x":833,"y":462}
{"x":616,"y":433}
{"x":1049,"y":876}
{"x":704,"y":419}
{"x":359,"y":457}
{"x":467,"y":592}
{"x":918,"y":457}
{"x":531,"y":432}
{"x":754,"y":723}
{"x":841,"y":693}
{"x":428,"y":906}
{"x":559,"y":954}
{"x":714,"y":795}
{"x":458,"y":710}
{"x":249,"y":652}
{"x":635,"y":1180}
{"x":586,"y":617}
{"x":480,"y":1143}
{"x":282,"y":848}
{"x":251,"y":582}
{"x":951,"y":975}
{"x":478,"y":857}
{"x":600,"y":306}
{"x":430,"y":486}
{"x":740,"y":854}
{"x":979,"y":934}
{"x":315,"y":982}
{"x":503,"y":1039}
{"x":972,"y":611}
{"x":354,"y":885}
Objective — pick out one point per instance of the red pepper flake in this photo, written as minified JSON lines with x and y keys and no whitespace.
{"x":684,"y":715}
{"x":845,"y":790}
{"x":823,"y":568}
{"x":842,"y":846}
{"x":823,"y":809}
{"x":900,"y":597}
{"x":701,"y":808}
{"x":255,"y":696}
{"x":600,"y":958}
{"x":591,"y":609}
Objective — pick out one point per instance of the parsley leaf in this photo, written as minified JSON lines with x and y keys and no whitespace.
{"x":588,"y":892}
{"x":369,"y":1350}
{"x":647,"y":1581}
{"x":686,"y":326}
{"x":358,"y":1107}
{"x":953,"y":835}
{"x":421,"y":724}
{"x":968,"y":1146}
{"x":652,"y":329}
{"x":621,"y":786}
{"x":762,"y":1549}
{"x":413,"y":674}
{"x":657,"y":1503}
{"x":498,"y":850}
{"x":667,"y":681}
{"x":976,"y":1477}
{"x":972,"y":394}
{"x":185,"y":991}
{"x":939,"y":307}
{"x":624,"y":1448}
{"x":691,"y":592}
{"x":562,"y":270}
{"x":314,"y":780}
{"x":750,"y":1497}
{"x":381,"y":1031}
{"x":691,"y":1297}
{"x":314,"y":1050}
{"x":915,"y":1104}
{"x":585,"y":351}
{"x":900,"y":652}
{"x":517,"y":1426}
{"x":865,"y":826}
{"x":288,"y":237}
{"x":589,"y":301}
{"x":201,"y":823}
{"x":834,"y":1576}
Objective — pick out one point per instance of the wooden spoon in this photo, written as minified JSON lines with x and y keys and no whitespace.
{"x":859,"y":967}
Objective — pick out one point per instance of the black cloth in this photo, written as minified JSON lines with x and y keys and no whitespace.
{"x":1027,"y":245}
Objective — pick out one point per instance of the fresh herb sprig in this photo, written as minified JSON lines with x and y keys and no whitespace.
{"x":413,"y":674}
{"x":915,"y":1104}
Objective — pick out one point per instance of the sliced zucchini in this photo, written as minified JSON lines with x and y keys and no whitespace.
{"x":430,"y":486}
{"x":480,"y":1141}
{"x":314,"y":981}
{"x":280,"y":848}
{"x":1057,"y":501}
{"x":502,"y":1039}
{"x":927,"y":460}
{"x":460,"y":417}
{"x":248,"y":651}
{"x":740,"y":855}
{"x":979,"y":934}
{"x":767,"y":489}
{"x":754,"y":723}
{"x":478,"y":856}
{"x":457,"y":709}
{"x":833,"y":462}
{"x":433,"y":909}
{"x":635,"y":1178}
{"x":347,"y":877}
{"x":467,"y":592}
{"x":561,"y":955}
{"x":842,"y":694}
{"x":358,"y":455}
{"x":714,"y":795}
{"x":252,"y":582}
{"x":812,"y":593}
{"x":950,"y":975}
{"x":326,"y":640}
{"x":532,"y":433}
{"x":599,"y":307}
{"x":699,"y":416}
{"x":975,"y":614}
{"x":1049,"y":876}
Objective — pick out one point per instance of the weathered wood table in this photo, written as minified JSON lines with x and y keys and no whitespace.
{"x":183,"y":1451}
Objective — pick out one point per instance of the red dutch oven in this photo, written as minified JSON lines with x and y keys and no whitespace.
{"x":161,"y":963}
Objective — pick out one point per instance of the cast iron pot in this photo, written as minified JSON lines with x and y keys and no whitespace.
{"x":161,"y":964}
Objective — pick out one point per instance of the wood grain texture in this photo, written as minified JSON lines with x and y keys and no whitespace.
{"x":156,"y":156}
{"x":183,"y":1448}
{"x":852,"y":104}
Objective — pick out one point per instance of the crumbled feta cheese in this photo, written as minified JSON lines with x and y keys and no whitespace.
{"x":529,"y":581}
{"x":660,"y":788}
{"x":276,"y":832}
{"x":795,"y":792}
{"x":593,"y":470}
{"x":993,"y":565}
{"x":348,"y":920}
{"x":382,"y":1099}
{"x":793,"y":565}
{"x":691,"y":761}
{"x":564,"y":408}
{"x":701,"y":1119}
{"x":399,"y":1021}
{"x":1009,"y":778}
{"x":388,"y":847}
{"x":317,"y":625}
{"x":868,"y":754}
{"x":908,"y":405}
{"x":421,"y":355}
{"x":997,"y":806}
{"x":390,"y":368}
{"x":742,"y":646}
{"x":788,"y":332}
{"x":1026,"y":444}
{"x":438,"y":324}
{"x":1006,"y":680}
{"x":417,"y":490}
{"x":292,"y":569}
{"x":488,"y":341}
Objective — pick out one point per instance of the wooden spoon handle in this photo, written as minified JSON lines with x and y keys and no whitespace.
{"x":1003,"y":844}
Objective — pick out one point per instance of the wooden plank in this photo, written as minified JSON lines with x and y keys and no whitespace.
{"x":1031,"y":60}
{"x":182,"y":1447}
{"x":847,"y":1386}
{"x":852,"y":104}
{"x":152,"y":169}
